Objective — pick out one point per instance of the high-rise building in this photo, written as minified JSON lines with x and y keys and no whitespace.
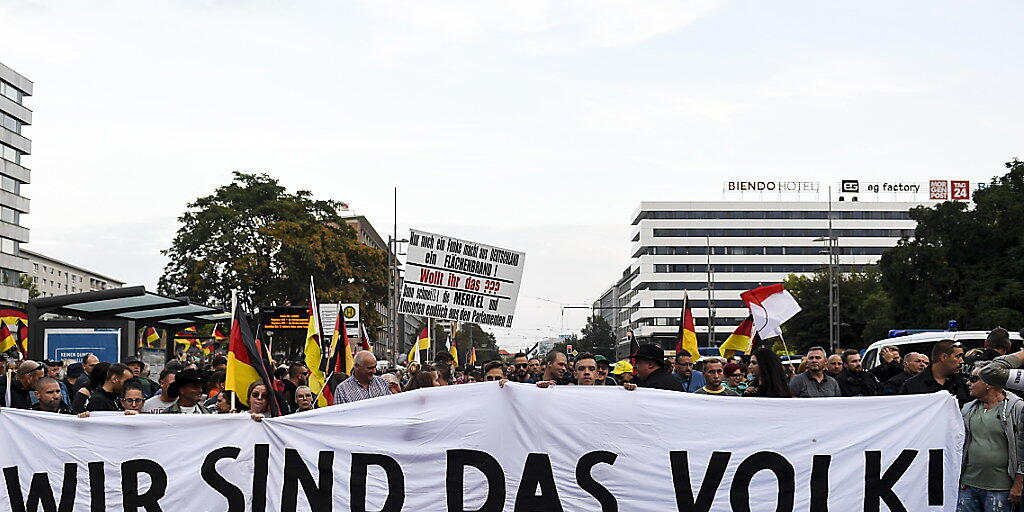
{"x":715,"y":250}
{"x":14,"y":88}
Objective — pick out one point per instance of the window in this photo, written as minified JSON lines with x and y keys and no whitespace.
{"x":11,"y":92}
{"x":35,"y":279}
{"x":8,"y":246}
{"x":35,"y":268}
{"x":10,"y":123}
{"x":10,"y":184}
{"x":9,"y":153}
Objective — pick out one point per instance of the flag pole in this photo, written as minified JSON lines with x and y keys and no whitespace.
{"x":231,"y":324}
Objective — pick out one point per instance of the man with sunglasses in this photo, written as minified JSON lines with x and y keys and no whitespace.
{"x":691,"y":379}
{"x":521,"y":370}
{"x":947,"y":355}
{"x":14,"y":392}
{"x":991,"y":476}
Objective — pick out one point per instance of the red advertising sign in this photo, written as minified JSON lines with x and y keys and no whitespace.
{"x":938,"y":189}
{"x":960,"y":190}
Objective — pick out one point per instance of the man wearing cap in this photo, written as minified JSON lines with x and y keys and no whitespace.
{"x":14,"y":392}
{"x":650,"y":369}
{"x":136,"y":366}
{"x":603,"y":367}
{"x":623,"y":371}
{"x":187,"y":390}
{"x":105,"y":397}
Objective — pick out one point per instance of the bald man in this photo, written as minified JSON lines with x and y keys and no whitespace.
{"x":14,"y":389}
{"x":364,"y":383}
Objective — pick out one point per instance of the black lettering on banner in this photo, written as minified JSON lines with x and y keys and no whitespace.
{"x":149,"y":500}
{"x":685,"y":501}
{"x":739,"y":492}
{"x":236,"y":500}
{"x":40,"y":492}
{"x":455,"y":478}
{"x":935,"y":458}
{"x":537,"y":473}
{"x":295,"y":473}
{"x":819,"y":483}
{"x":97,"y":487}
{"x":260,"y":467}
{"x":879,"y":488}
{"x":357,"y":484}
{"x":586,"y":481}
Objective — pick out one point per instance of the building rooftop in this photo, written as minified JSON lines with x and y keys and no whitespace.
{"x":34,"y":254}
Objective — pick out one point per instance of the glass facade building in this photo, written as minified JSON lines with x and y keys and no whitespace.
{"x":14,"y":147}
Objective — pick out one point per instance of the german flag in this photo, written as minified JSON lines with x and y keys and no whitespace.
{"x":739,"y":340}
{"x":422,"y":343}
{"x":15,"y":320}
{"x":452,"y":345}
{"x":23,"y":338}
{"x":149,"y":337}
{"x":687,"y":333}
{"x":218,"y":335}
{"x":314,"y":355}
{"x":245,"y":362}
{"x":7,"y":338}
{"x":472,"y":355}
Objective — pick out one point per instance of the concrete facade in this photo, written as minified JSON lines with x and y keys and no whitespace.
{"x":14,"y":146}
{"x":55,"y":277}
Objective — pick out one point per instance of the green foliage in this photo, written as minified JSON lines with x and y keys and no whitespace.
{"x":254,"y":236}
{"x":598,"y":337}
{"x":471,"y":335}
{"x":963,"y":264}
{"x":865,"y":310}
{"x":25,"y":281}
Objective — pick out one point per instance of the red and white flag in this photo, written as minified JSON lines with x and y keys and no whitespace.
{"x":770,"y":306}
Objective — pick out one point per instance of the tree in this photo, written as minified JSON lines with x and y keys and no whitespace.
{"x":963,"y":264}
{"x":471,"y":335}
{"x":865,"y":310}
{"x":598,"y":337}
{"x":254,"y":236}
{"x":25,"y":281}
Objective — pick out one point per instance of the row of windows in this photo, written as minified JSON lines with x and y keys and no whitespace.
{"x":10,"y":154}
{"x":741,"y":267}
{"x":700,"y":303}
{"x":59,"y":285}
{"x":95,"y":284}
{"x":726,"y":285}
{"x":10,"y":184}
{"x":768,"y":232}
{"x":10,"y":123}
{"x":725,"y":251}
{"x":702,"y":321}
{"x":10,"y":215}
{"x":859,"y":215}
{"x":11,"y":92}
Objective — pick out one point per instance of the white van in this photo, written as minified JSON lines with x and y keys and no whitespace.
{"x":923,"y":342}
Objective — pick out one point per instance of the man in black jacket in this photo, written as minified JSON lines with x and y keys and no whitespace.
{"x":853,"y":381}
{"x":650,"y":369}
{"x":105,"y":397}
{"x":913,"y":364}
{"x":28,"y":373}
{"x":947,"y":355}
{"x":889,"y":366}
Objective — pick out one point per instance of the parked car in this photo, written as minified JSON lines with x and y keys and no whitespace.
{"x":923,"y":341}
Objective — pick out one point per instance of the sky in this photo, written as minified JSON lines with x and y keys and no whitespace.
{"x":536,"y":125}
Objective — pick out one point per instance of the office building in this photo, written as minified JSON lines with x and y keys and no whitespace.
{"x":55,"y":277}
{"x":762,"y":233}
{"x":14,"y":116}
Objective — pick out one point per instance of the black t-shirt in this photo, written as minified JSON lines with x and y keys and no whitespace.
{"x":925,"y":382}
{"x":101,"y":400}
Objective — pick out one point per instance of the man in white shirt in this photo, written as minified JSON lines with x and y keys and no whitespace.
{"x":161,"y":401}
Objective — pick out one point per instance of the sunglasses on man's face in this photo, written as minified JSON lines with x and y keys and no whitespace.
{"x":522,"y":365}
{"x":973,"y":378}
{"x":492,"y":377}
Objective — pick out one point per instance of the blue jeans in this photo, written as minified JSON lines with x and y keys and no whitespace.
{"x":972,"y":499}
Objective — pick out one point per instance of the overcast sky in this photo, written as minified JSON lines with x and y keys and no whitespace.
{"x":537,"y":125}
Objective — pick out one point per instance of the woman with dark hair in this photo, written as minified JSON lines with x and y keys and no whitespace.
{"x":96,"y":378}
{"x":769,"y":376}
{"x":422,"y":379}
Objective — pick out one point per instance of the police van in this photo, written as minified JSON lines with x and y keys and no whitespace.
{"x":922,"y":341}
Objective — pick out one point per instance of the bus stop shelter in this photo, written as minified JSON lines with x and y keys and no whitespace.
{"x":123,"y":309}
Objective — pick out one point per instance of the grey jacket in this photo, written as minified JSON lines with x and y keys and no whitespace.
{"x":1004,"y":372}
{"x":1011,"y":414}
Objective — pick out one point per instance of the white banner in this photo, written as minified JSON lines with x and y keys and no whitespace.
{"x":478,"y":447}
{"x":451,"y":279}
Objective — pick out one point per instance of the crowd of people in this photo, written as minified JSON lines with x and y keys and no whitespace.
{"x":993,"y":458}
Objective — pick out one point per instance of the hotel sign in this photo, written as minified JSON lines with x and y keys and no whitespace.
{"x":773,"y":186}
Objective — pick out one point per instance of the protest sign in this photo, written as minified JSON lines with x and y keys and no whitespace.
{"x":452,"y":279}
{"x":479,"y":447}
